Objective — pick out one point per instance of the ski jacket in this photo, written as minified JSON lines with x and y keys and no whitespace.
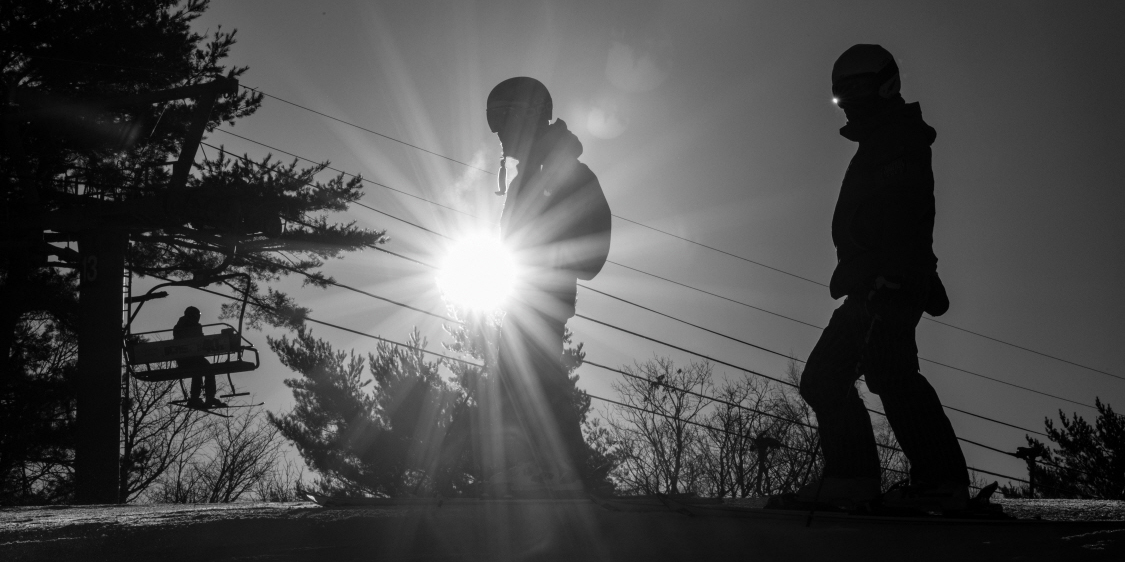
{"x":884,"y":218}
{"x":186,"y":328}
{"x":556,"y":217}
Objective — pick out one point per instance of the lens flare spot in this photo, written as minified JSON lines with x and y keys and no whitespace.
{"x":477,"y":273}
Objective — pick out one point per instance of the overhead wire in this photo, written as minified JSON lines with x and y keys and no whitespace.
{"x":254,"y":302}
{"x":729,"y":364}
{"x":712,"y":399}
{"x":690,"y":241}
{"x":687,"y":391}
{"x":436,"y":233}
{"x":789,"y":447}
{"x":749,"y":371}
{"x":365,"y":129}
{"x":991,"y":338}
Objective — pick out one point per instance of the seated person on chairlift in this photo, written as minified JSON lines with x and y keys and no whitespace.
{"x":189,"y":327}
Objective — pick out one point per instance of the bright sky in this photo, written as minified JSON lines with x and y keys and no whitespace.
{"x":714,"y":121}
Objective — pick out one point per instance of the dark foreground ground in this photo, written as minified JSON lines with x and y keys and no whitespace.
{"x":542,"y":530}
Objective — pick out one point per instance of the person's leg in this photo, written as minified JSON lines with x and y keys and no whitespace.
{"x":539,"y":420}
{"x":828,"y":386}
{"x":209,"y":390}
{"x":557,"y":391}
{"x":510,"y":434}
{"x":911,"y":404}
{"x":196,"y":386}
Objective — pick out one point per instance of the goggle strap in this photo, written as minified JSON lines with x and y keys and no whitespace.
{"x":502,"y":177}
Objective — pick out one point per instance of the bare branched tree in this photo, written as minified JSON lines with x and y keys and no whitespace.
{"x":745,"y":437}
{"x":157,"y":435}
{"x":658,"y":437}
{"x":741,"y":437}
{"x":241,"y":451}
{"x":283,"y":483}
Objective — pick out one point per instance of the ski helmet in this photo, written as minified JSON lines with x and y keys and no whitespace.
{"x":519,"y":93}
{"x":864,"y":71}
{"x":191,"y":311}
{"x":515,"y":95}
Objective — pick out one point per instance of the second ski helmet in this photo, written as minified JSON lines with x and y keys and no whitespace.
{"x":865,"y":70}
{"x":514,"y":94}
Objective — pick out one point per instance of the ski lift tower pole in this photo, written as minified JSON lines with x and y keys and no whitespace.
{"x":101,"y":248}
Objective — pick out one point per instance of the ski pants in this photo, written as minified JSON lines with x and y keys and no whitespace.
{"x":876,"y":339}
{"x":199,"y":381}
{"x":537,"y":412}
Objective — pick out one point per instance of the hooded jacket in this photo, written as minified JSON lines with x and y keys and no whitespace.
{"x":884,"y":218}
{"x":556,"y":217}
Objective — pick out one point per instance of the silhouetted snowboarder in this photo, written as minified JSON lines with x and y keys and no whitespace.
{"x":188,"y":326}
{"x":887,"y":271}
{"x":557,"y":222}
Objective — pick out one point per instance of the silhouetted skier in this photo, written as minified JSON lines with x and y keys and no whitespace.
{"x":883,"y":231}
{"x":188,"y":326}
{"x":557,"y":222}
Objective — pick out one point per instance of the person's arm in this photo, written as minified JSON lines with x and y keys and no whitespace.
{"x":907,"y":216}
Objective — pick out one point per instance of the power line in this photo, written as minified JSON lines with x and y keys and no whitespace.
{"x":256,"y":90}
{"x":986,"y":418}
{"x":676,"y":347}
{"x":709,"y":247}
{"x":697,"y":394}
{"x":376,"y":133}
{"x":360,"y":291}
{"x":920,"y":358}
{"x":275,"y":310}
{"x":1027,"y":349}
{"x":711,"y":399}
{"x":724,"y":252}
{"x":709,"y":293}
{"x":728,"y":432}
{"x":258,"y":304}
{"x":670,"y":317}
{"x":690,"y":422}
{"x":345,"y":173}
{"x":685,"y":350}
{"x":994,"y":420}
{"x":706,"y":397}
{"x":779,"y":354}
{"x":701,"y":245}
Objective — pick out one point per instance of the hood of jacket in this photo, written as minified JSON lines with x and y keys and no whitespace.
{"x":555,"y":146}
{"x":903,"y":122}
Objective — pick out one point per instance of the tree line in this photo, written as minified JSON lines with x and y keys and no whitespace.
{"x":388,"y":423}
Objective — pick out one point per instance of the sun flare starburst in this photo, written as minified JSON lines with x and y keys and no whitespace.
{"x":478,"y":272}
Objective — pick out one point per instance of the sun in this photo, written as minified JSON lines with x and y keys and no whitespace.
{"x":477,"y":273}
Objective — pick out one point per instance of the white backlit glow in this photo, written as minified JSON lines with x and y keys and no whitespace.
{"x":478,"y":273}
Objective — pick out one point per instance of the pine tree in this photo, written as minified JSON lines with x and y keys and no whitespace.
{"x":1089,"y":460}
{"x":79,"y":158}
{"x":378,"y":436}
{"x":405,"y":430}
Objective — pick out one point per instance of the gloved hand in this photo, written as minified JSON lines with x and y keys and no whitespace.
{"x":884,"y":290}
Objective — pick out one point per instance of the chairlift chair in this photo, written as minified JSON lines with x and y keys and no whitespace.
{"x":227,"y":350}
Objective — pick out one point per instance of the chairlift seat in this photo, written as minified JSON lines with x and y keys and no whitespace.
{"x":174,"y":373}
{"x":185,"y":348}
{"x":228,"y":344}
